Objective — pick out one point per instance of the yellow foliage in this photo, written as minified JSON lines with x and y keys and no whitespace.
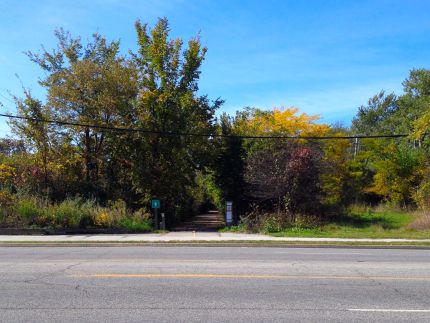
{"x":102,"y":219}
{"x":421,"y":125}
{"x":397,"y":173}
{"x":336,"y":171}
{"x":284,"y":121}
{"x":380,"y":185}
{"x":6,"y":199}
{"x":7,"y":173}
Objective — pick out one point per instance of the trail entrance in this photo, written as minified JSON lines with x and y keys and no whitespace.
{"x":211,"y":221}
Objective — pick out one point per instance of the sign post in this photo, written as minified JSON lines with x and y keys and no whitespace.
{"x":228,"y":213}
{"x":163,"y":222}
{"x":155,"y":205}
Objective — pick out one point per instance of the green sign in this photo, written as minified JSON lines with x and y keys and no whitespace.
{"x":155,"y":204}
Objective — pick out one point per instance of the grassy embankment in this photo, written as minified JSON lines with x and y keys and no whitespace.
{"x":360,"y":223}
{"x":25,"y":212}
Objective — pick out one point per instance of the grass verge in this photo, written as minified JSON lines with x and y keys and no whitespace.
{"x":373,"y":224}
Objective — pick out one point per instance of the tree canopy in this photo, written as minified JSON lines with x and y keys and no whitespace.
{"x":97,"y":87}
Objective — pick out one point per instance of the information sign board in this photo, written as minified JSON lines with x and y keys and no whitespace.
{"x":229,"y":213}
{"x":155,"y":204}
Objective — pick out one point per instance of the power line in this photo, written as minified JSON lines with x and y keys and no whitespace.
{"x":191,"y":134}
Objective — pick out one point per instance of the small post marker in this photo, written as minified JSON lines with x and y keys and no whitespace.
{"x":229,"y":213}
{"x":155,"y":205}
{"x":163,"y":222}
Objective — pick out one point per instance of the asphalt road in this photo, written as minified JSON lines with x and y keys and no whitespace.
{"x":208,"y":284}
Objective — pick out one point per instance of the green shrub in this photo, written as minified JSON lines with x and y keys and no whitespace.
{"x":307,"y":221}
{"x":29,"y":209}
{"x":68,"y":213}
{"x":88,"y":213}
{"x":136,"y":224}
{"x":253,"y":219}
{"x":271,"y":224}
{"x":234,"y":228}
{"x":360,"y":209}
{"x":117,"y":212}
{"x":140,"y":221}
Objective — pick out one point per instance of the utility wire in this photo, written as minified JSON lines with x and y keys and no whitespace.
{"x":191,"y":134}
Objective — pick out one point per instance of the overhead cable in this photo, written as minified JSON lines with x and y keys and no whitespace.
{"x":192,"y":134}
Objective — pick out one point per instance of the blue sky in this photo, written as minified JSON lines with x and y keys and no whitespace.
{"x":324,"y":57}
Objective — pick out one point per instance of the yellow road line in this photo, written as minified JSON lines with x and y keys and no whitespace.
{"x":233,"y":276}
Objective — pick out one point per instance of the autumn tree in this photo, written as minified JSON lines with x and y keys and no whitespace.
{"x":167,"y":101}
{"x":416,"y":102}
{"x":282,"y":174}
{"x":285,"y":178}
{"x":279,"y":121}
{"x":86,"y":84}
{"x":399,"y":165}
{"x":37,"y":135}
{"x":344,"y":172}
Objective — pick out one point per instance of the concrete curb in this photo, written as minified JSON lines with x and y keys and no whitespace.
{"x":239,"y":244}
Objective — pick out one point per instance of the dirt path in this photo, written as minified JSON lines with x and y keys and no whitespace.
{"x":211,"y":221}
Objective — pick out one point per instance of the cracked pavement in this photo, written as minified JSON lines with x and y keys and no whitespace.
{"x":213,"y":284}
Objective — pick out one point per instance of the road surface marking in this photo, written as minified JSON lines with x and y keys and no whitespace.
{"x":248,"y":276}
{"x":386,"y":310}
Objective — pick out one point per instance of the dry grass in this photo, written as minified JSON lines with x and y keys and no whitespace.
{"x":29,"y":211}
{"x":421,"y":223}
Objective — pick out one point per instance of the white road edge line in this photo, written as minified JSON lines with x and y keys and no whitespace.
{"x":386,"y":310}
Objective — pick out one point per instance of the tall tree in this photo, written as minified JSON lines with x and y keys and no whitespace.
{"x":168,"y":100}
{"x":377,"y":116}
{"x":38,"y":135}
{"x":416,"y":101}
{"x":87,"y":84}
{"x":398,"y":165}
